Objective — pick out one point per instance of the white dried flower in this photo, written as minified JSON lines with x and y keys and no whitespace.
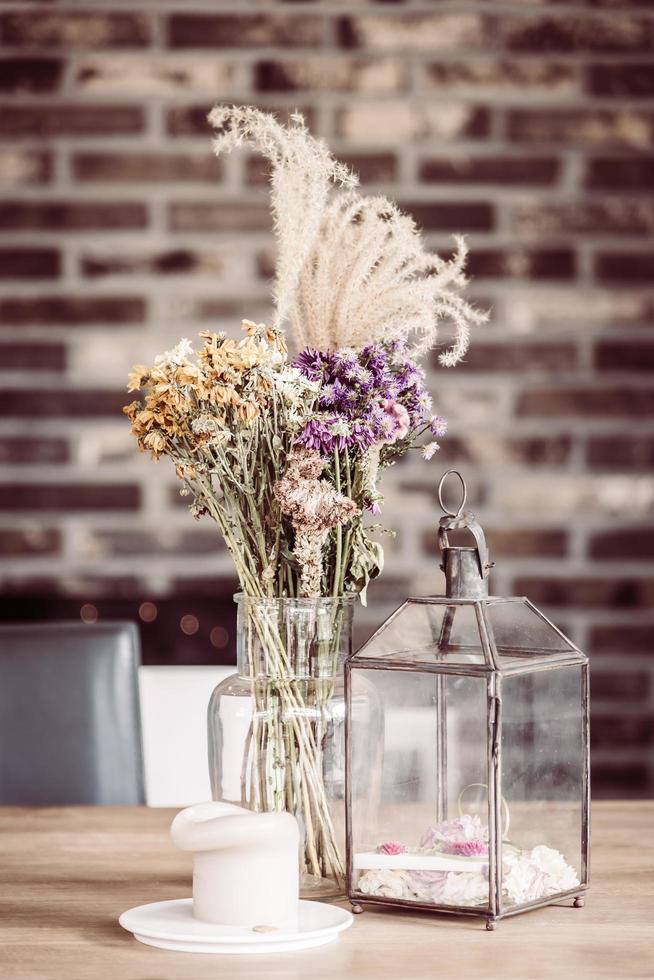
{"x":429,"y":450}
{"x":178,"y":355}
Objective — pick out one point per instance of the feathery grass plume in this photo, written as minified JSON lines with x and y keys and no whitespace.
{"x":350,"y":270}
{"x":302,"y":173}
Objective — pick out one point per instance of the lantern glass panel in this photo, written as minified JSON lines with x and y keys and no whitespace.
{"x":429,"y":632}
{"x":542,"y":784}
{"x":520,"y":631}
{"x":433,"y":773}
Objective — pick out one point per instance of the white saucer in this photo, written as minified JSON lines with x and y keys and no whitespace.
{"x":171,"y":925}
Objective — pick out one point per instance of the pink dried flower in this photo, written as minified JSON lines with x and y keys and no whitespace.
{"x":391,"y":847}
{"x":400,"y":417}
{"x":467,"y":848}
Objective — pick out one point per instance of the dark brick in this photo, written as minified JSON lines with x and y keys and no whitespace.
{"x":342,"y":74}
{"x":621,"y":355}
{"x":32,"y":357}
{"x":20,"y":165}
{"x":132,"y":542}
{"x":621,"y":80}
{"x":483,"y":449}
{"x":521,"y":263}
{"x":72,"y":215}
{"x":224,"y":308}
{"x":29,"y":263}
{"x":491,"y":170}
{"x":15,"y":542}
{"x":624,"y":266}
{"x":620,"y":686}
{"x":623,"y":731}
{"x":47,"y":120}
{"x":446,"y":216}
{"x":71,"y":310}
{"x":590,"y":402}
{"x":624,"y":544}
{"x":27,"y":449}
{"x":514,"y":543}
{"x":621,"y":637}
{"x":214,"y":216}
{"x":30,"y":74}
{"x":571,"y":32}
{"x":623,"y":452}
{"x":123,"y":167}
{"x":49,"y":404}
{"x":69,"y":497}
{"x":620,"y":780}
{"x":616,"y":593}
{"x":372,"y":168}
{"x":615,"y":216}
{"x":582,"y":127}
{"x":163,"y":263}
{"x":243,"y":30}
{"x":74,"y":29}
{"x":201,"y":587}
{"x":191,"y":120}
{"x":520,"y":357}
{"x":627,"y":173}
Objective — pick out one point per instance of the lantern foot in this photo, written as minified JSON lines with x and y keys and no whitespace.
{"x":579,"y":902}
{"x":490,"y":925}
{"x":356,"y":908}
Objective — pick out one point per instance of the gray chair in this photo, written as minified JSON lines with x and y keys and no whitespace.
{"x":69,"y":715}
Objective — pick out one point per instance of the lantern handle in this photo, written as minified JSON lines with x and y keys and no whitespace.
{"x":505,"y":806}
{"x":447,"y":512}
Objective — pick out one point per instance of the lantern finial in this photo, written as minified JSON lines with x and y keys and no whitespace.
{"x":466,"y":568}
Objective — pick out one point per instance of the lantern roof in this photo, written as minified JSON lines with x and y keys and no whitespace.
{"x":466,"y":635}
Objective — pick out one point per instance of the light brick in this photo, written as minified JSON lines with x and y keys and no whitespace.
{"x":377,"y":75}
{"x":154,"y":76}
{"x":583,"y":127}
{"x":415,"y":31}
{"x":618,"y":216}
{"x":518,"y":79}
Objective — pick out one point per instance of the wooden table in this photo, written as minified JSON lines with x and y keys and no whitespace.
{"x":66,"y":874}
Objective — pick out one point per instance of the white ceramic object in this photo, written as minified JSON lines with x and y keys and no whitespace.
{"x":245,"y":864}
{"x":172,"y":925}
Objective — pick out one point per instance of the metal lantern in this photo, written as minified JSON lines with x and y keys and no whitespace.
{"x":477,"y":802}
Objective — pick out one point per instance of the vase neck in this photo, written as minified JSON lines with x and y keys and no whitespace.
{"x":298,"y":639}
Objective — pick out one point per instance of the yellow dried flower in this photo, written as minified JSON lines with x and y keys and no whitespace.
{"x":137,"y":377}
{"x":248,"y":412}
{"x":155,"y":441}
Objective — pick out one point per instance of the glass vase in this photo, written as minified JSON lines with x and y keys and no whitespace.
{"x":276,"y":728}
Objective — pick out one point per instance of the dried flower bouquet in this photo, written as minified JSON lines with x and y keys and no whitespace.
{"x":285,"y":453}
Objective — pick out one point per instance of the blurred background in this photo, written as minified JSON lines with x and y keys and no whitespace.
{"x":527,"y":126}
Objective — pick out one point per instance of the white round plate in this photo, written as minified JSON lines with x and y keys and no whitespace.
{"x":171,"y":925}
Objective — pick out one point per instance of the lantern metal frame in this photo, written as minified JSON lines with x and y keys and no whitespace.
{"x":494,"y":671}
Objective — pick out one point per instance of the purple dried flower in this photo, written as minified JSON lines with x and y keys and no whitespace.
{"x":310,"y":362}
{"x":438,"y":425}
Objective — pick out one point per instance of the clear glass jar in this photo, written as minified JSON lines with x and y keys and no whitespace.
{"x":276,"y":728}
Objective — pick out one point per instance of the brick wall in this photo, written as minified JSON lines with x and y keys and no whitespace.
{"x":529,"y":126}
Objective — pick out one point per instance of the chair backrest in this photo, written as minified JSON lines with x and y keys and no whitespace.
{"x":69,"y":714}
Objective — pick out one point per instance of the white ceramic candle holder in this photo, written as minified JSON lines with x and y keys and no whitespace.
{"x":245,"y":888}
{"x":245,"y":864}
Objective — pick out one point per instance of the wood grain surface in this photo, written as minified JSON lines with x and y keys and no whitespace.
{"x":66,"y":874}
